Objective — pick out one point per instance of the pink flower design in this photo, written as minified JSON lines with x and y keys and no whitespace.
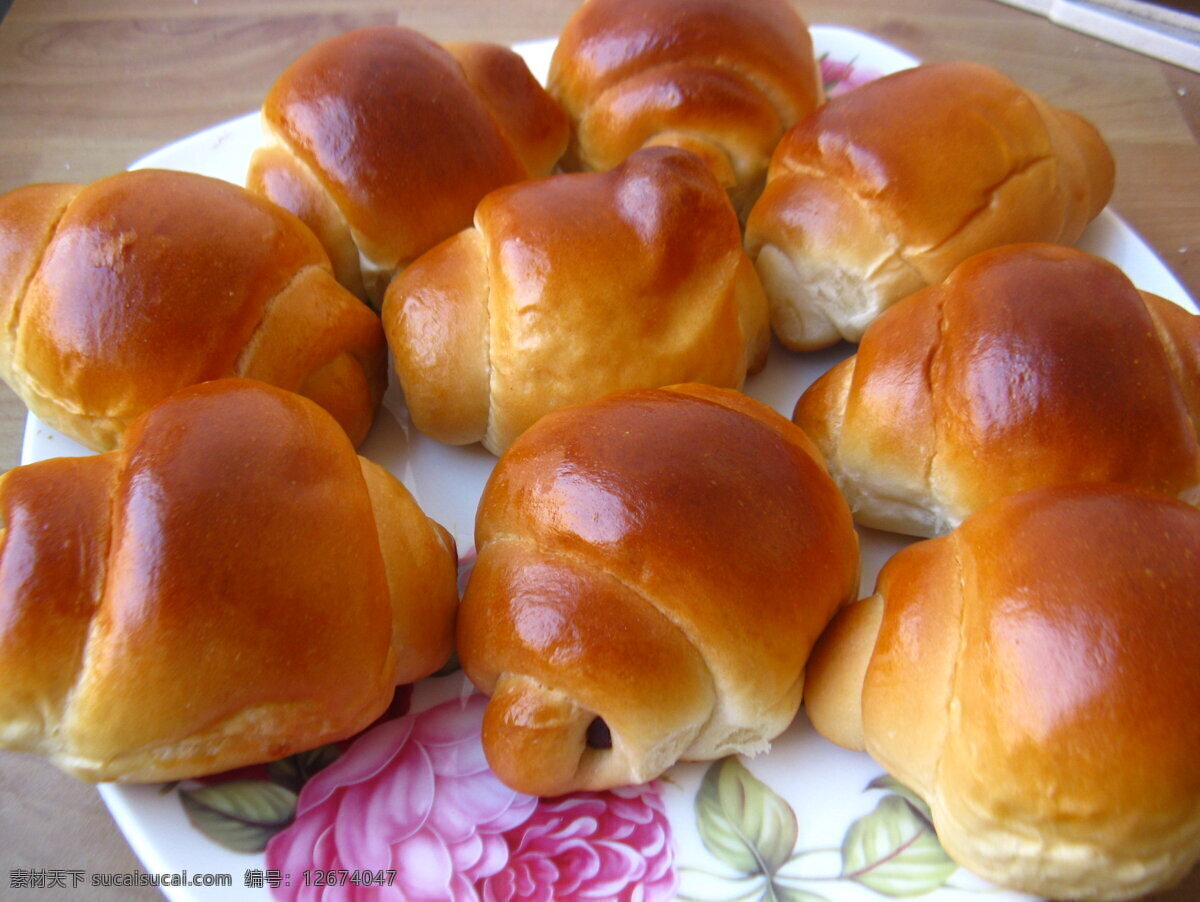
{"x":611,"y":845}
{"x":840,"y":76}
{"x":415,"y":794}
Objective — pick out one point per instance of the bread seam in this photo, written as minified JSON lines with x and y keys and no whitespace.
{"x":273,"y":137}
{"x":952,"y":689}
{"x":393,"y":648}
{"x":115,"y":424}
{"x":932,"y":472}
{"x":989,"y":200}
{"x":836,"y":423}
{"x":1174,"y":360}
{"x":34,"y":388}
{"x":14,"y":319}
{"x":491,"y":113}
{"x":699,"y":137}
{"x":252,"y":340}
{"x":773,"y":96}
{"x":590,"y":566}
{"x":897,"y":255}
{"x":61,"y":730}
{"x":155,"y":762}
{"x":772,"y":100}
{"x":866,"y":200}
{"x":488,"y":437}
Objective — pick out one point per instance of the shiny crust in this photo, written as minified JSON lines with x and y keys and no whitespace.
{"x":1030,"y":365}
{"x":534,"y":124}
{"x":721,"y":78}
{"x":571,"y":287}
{"x":116,"y":294}
{"x":384,"y":141}
{"x":887,"y":188}
{"x":420,"y":562}
{"x":435,"y":318}
{"x":226,"y":589}
{"x":661,"y":559}
{"x":1032,"y":677}
{"x":278,"y":175}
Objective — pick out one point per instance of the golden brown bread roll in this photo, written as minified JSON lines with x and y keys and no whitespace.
{"x":1030,"y":365}
{"x":721,"y":78}
{"x":383,"y":142}
{"x":118,"y":293}
{"x":653,"y":569}
{"x":888,"y":187}
{"x":232,"y":586}
{"x":1032,"y":676}
{"x":571,"y":287}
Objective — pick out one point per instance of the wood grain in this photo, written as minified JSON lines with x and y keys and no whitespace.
{"x":87,"y":86}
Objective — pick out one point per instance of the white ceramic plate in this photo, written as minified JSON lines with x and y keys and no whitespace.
{"x":815,"y":819}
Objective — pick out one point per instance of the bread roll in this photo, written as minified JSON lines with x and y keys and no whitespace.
{"x":721,"y":78}
{"x":384,"y":141}
{"x":888,"y":187}
{"x":118,"y":293}
{"x":653,"y":569}
{"x":232,"y":586}
{"x":1030,"y":365}
{"x":571,"y":287}
{"x":1032,"y":676}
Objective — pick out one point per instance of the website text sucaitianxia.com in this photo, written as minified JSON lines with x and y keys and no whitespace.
{"x":253,"y":878}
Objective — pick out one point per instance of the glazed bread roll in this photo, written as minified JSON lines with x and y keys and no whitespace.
{"x":118,"y":293}
{"x":571,"y":287}
{"x":1032,"y":676}
{"x":722,"y":78}
{"x":888,"y":187}
{"x":383,"y":142}
{"x":653,"y":569}
{"x":232,"y":586}
{"x":1030,"y":365}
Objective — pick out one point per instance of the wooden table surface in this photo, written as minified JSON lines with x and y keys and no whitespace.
{"x":87,"y":86}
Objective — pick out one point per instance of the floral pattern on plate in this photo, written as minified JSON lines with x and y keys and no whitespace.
{"x":416,"y":795}
{"x":410,"y":810}
{"x":752,"y":831}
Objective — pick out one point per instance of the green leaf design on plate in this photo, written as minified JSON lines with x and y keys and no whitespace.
{"x":777,"y":892}
{"x":294,"y":771}
{"x":893,"y":851}
{"x":240,"y":815}
{"x":888,"y":783}
{"x":742,"y":821}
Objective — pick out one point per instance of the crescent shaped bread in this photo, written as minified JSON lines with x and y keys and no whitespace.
{"x":232,"y":586}
{"x":1032,"y":676}
{"x":1030,"y":365}
{"x":721,"y":78}
{"x":653,"y":568}
{"x":571,"y":287}
{"x":383,"y":141}
{"x":888,"y":187}
{"x":118,"y":293}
